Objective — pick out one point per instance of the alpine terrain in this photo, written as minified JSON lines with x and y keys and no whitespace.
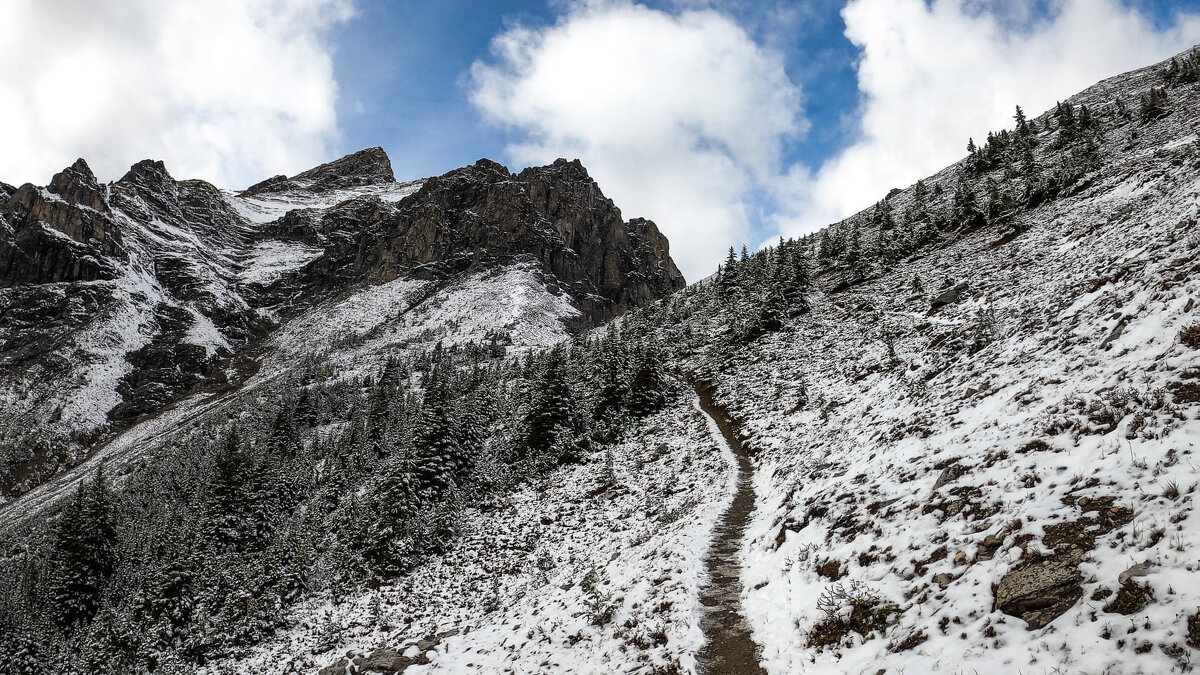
{"x":335,"y":423}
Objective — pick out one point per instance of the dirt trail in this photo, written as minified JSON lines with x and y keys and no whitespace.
{"x":729,"y":649}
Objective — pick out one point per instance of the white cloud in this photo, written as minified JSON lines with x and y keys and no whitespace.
{"x":227,"y":90}
{"x":933,"y":75}
{"x":679,"y":117}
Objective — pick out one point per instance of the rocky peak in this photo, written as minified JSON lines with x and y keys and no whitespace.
{"x":77,"y":184}
{"x":477,"y":216}
{"x":149,"y":175}
{"x":365,"y":167}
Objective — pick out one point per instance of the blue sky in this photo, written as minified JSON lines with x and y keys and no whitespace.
{"x":400,"y":67}
{"x":725,"y":121}
{"x":404,"y":71}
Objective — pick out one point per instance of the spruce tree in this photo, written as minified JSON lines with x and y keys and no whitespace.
{"x":438,"y":457}
{"x":553,"y":429}
{"x":649,"y":387}
{"x":237,"y":515}
{"x":84,"y":551}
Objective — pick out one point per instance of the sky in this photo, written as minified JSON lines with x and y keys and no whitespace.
{"x":727,"y":122}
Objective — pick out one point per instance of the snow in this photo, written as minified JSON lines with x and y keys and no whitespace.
{"x":359,"y":330}
{"x":509,"y":597}
{"x":869,"y":451}
{"x":271,"y":259}
{"x":204,"y":332}
{"x":267,"y":207}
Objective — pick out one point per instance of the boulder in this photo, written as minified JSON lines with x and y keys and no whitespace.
{"x":949,"y":297}
{"x":385,"y":661}
{"x":1042,"y":590}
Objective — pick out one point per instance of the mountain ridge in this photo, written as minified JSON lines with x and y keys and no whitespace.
{"x":205,"y":275}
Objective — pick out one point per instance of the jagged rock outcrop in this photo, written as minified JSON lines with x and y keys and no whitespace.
{"x":482,"y":214}
{"x":73,"y":205}
{"x":365,"y":167}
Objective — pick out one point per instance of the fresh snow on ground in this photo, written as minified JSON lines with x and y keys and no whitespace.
{"x":359,"y":331}
{"x":512,"y":595}
{"x":264,"y":208}
{"x":271,"y":259}
{"x":928,"y":476}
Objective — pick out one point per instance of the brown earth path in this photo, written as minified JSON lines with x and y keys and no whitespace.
{"x":729,"y":649}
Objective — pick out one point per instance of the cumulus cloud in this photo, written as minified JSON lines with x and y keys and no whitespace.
{"x":227,"y":90}
{"x":679,"y":117}
{"x":932,"y":75}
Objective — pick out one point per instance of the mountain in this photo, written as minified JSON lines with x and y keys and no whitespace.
{"x":125,"y":298}
{"x":954,"y":432}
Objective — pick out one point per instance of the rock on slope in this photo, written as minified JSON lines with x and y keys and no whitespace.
{"x":121,"y":299}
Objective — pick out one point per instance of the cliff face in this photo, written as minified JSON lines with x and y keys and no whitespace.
{"x":482,"y":215}
{"x":122,"y":298}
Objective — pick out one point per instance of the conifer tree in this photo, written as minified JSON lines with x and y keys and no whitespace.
{"x":553,"y":430}
{"x":965,"y":208}
{"x":649,"y":387}
{"x":237,"y":515}
{"x":84,"y":550}
{"x":795,"y":280}
{"x":438,"y":457}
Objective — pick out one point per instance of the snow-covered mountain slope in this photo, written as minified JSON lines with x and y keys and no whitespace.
{"x":972,"y":411}
{"x":995,"y":473}
{"x":594,"y":569}
{"x":123,"y":299}
{"x":976,"y":456}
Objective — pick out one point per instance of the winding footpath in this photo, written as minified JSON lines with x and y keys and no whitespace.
{"x":729,"y":648}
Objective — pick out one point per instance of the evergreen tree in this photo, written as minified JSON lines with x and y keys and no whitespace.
{"x":649,"y":388}
{"x":84,"y":550}
{"x":857,"y":259}
{"x":553,"y":429}
{"x":729,"y":279}
{"x":438,"y":456}
{"x":237,"y":515}
{"x":965,"y":209}
{"x":795,"y":279}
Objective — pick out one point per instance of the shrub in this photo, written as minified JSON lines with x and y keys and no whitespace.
{"x":850,"y":608}
{"x":1193,"y":630}
{"x":1190,"y":336}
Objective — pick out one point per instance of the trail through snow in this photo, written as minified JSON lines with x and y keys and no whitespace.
{"x":728,"y":647}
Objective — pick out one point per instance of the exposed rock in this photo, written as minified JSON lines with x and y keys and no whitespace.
{"x":950,"y":296}
{"x":1139,"y":570}
{"x":192,"y":321}
{"x":385,"y":661}
{"x":1115,"y":333}
{"x":73,"y":205}
{"x":77,"y":184}
{"x":365,"y":167}
{"x":273,"y":184}
{"x":339,"y":667}
{"x":1041,"y":591}
{"x":481,"y":215}
{"x":1131,"y":598}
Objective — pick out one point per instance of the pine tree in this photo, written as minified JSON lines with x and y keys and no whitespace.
{"x":553,"y":430}
{"x":237,"y":515}
{"x":438,"y":457}
{"x":857,"y":259}
{"x":795,"y":279}
{"x":965,"y":209}
{"x":84,"y":551}
{"x":730,"y":280}
{"x":649,"y":388}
